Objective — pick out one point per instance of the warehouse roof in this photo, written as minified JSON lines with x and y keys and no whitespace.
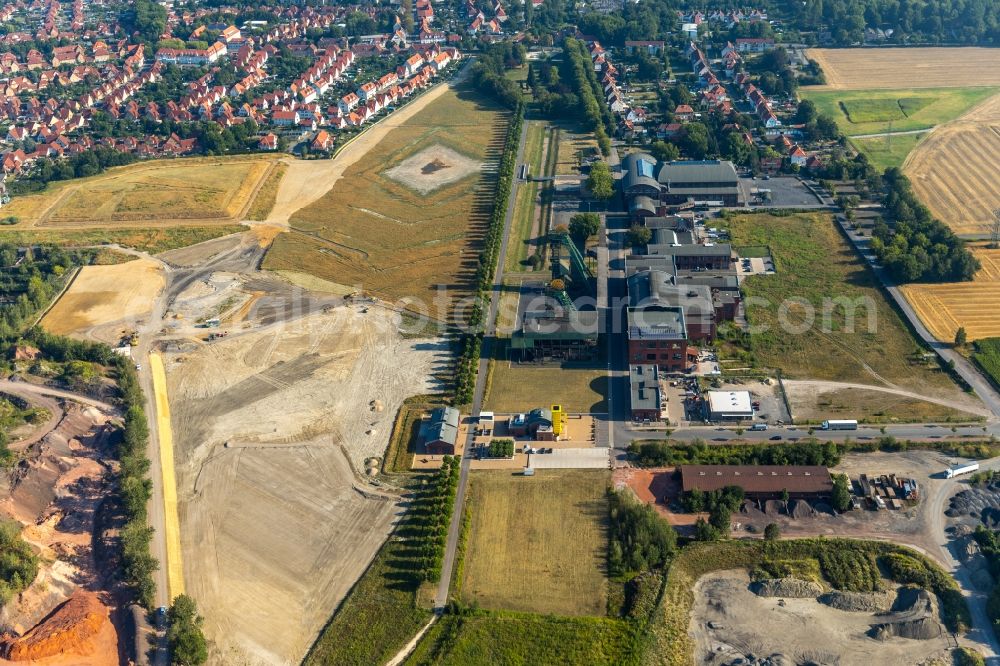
{"x":758,"y":478}
{"x":711,"y":172}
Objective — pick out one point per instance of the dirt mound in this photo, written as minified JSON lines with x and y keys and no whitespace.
{"x":791,"y":588}
{"x":915,"y":617}
{"x":70,"y":629}
{"x":861,"y":602}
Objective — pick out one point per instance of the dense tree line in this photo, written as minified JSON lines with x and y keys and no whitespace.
{"x":593,"y":109}
{"x":640,"y":539}
{"x":918,"y":247}
{"x":29,"y":279}
{"x":941,"y":22}
{"x":489,"y":72}
{"x":666,"y":453}
{"x":185,"y":636}
{"x":87,"y":163}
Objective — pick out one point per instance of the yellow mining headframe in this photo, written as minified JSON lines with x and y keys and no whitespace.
{"x":558,"y":420}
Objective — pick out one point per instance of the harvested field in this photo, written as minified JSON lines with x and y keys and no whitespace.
{"x":267,"y":426}
{"x":861,"y":69}
{"x":729,"y":621}
{"x":158,"y":193}
{"x":538,"y":543}
{"x":975,"y":305}
{"x":106,"y":295}
{"x":390,"y":239}
{"x":954,"y":170}
{"x":518,"y":388}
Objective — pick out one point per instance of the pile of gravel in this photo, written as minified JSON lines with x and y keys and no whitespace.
{"x":800,"y":509}
{"x":915,"y":616}
{"x":791,"y":588}
{"x":859,"y":602}
{"x":981,"y":503}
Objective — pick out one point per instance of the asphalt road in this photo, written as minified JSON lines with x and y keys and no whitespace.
{"x":489,"y":338}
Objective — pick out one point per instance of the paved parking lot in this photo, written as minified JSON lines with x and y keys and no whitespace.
{"x":786,"y":192}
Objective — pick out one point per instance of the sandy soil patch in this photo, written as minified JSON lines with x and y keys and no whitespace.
{"x":267,"y":424}
{"x":103,"y":295}
{"x":194,"y":255}
{"x":954,"y":172}
{"x":863,"y":69}
{"x":433,"y":167}
{"x":803,"y":630}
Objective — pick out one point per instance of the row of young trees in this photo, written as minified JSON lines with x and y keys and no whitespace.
{"x":434,"y":514}
{"x":667,"y":453}
{"x":468,"y":362}
{"x":917,"y":247}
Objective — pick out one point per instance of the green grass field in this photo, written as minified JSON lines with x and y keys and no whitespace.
{"x":518,"y":388}
{"x":519,"y":247}
{"x":372,"y":230}
{"x":814,"y":264}
{"x":884,"y":152}
{"x":518,"y":638}
{"x":869,"y":111}
{"x":538,"y":544}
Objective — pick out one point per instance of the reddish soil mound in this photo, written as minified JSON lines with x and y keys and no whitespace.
{"x":70,"y":629}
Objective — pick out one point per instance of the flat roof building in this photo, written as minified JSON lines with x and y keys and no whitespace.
{"x":760,"y":481}
{"x":647,"y":399}
{"x":557,"y":334}
{"x":729,"y":405}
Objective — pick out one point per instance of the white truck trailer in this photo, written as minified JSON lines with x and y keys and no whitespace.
{"x":842,"y":424}
{"x":959,"y":470}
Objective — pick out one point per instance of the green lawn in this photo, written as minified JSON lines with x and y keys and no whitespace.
{"x":884,"y":152}
{"x":870,"y":111}
{"x":813,"y":266}
{"x":519,"y":388}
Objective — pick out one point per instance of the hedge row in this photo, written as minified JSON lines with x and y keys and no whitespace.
{"x":472,"y":337}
